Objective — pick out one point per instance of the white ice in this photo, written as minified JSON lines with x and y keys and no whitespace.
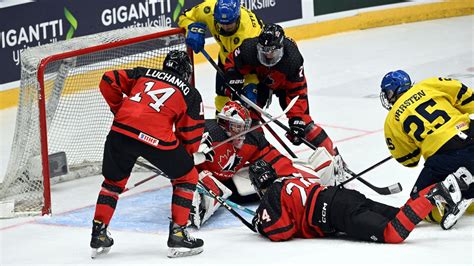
{"x":343,"y":72}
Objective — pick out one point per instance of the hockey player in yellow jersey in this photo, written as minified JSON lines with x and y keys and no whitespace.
{"x":230,"y":24}
{"x":433,"y":118}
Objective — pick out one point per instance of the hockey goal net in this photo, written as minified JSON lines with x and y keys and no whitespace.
{"x":62,"y":113}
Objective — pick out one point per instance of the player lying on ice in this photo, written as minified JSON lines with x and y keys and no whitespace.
{"x":224,"y":169}
{"x":298,"y":207}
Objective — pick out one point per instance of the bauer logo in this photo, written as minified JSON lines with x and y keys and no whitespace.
{"x":148,"y":139}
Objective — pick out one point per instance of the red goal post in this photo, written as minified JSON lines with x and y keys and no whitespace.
{"x":61,"y":112}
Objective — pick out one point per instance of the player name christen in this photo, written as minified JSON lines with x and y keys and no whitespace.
{"x":169,"y":78}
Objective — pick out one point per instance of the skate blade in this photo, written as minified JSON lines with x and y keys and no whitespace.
{"x":96,"y":252}
{"x":451,"y":219}
{"x":183,"y":252}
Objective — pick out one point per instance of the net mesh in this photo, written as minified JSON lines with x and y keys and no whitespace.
{"x":78,"y":118}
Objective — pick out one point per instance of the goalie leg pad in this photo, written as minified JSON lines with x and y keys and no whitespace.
{"x":208,"y":203}
{"x":330,"y":169}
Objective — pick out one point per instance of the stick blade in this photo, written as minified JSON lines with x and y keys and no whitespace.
{"x":395,"y":188}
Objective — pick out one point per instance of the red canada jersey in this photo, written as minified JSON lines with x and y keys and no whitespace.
{"x":287,"y":208}
{"x":228,"y":159}
{"x":154,"y":106}
{"x":286,"y":78}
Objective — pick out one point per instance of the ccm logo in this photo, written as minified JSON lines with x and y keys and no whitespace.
{"x":323,"y":212}
{"x":197,"y":30}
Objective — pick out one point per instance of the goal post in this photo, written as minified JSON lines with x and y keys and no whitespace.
{"x":62,"y":115}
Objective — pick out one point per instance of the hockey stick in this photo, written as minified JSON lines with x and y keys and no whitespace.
{"x":263,"y":112}
{"x":247,"y":101}
{"x":228,"y":207}
{"x":210,"y":192}
{"x":283,"y":144}
{"x":395,"y":188}
{"x":293,"y":101}
{"x":231,"y":203}
{"x":140,"y":182}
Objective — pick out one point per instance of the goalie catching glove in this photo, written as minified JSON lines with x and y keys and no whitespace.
{"x":203,"y":205}
{"x":204,"y":152}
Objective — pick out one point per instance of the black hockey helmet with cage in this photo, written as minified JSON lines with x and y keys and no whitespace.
{"x":262,"y":176}
{"x":270,"y":45}
{"x":179,"y":63}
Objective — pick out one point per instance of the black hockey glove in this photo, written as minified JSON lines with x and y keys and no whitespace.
{"x":236,"y":81}
{"x":296,"y":132}
{"x":257,"y":224}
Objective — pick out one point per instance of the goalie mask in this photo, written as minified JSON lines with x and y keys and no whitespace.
{"x":262,"y":176}
{"x":393,"y":85}
{"x":179,"y":63}
{"x":234,"y":118}
{"x":270,"y":45}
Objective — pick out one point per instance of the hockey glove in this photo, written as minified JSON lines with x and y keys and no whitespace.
{"x":236,"y":81}
{"x":203,"y":154}
{"x":196,"y":36}
{"x":296,"y":132}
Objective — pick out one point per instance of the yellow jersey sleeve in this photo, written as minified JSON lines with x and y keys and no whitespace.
{"x":427,"y":116}
{"x":402,"y":148}
{"x":202,"y":12}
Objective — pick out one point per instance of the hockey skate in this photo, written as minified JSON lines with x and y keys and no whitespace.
{"x":181,"y":244}
{"x":453,"y":213}
{"x":101,"y":242}
{"x":449,"y":192}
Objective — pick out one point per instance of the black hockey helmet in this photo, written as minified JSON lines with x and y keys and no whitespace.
{"x":262,"y":176}
{"x":179,"y":63}
{"x":270,"y":44}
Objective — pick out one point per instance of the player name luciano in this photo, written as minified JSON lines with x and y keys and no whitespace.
{"x":169,"y":78}
{"x":414,"y":98}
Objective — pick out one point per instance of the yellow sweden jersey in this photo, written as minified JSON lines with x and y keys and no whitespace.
{"x":250,"y":26}
{"x":425,"y":117}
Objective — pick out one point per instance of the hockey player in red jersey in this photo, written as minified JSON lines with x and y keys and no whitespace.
{"x":158,"y":116}
{"x":293,"y":207}
{"x":224,"y":170}
{"x":278,"y":63}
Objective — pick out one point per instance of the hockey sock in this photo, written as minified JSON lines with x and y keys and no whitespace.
{"x":398,"y":229}
{"x":107,"y":200}
{"x":318,"y":137}
{"x":183,"y":191}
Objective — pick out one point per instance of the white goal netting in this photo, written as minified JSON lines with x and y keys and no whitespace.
{"x":77,"y":117}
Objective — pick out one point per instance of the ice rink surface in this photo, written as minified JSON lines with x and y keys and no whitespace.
{"x":343,"y":73}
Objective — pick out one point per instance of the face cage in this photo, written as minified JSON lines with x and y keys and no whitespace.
{"x":233,"y":127}
{"x":261,"y":191}
{"x":269,"y":55}
{"x":385,"y":102}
